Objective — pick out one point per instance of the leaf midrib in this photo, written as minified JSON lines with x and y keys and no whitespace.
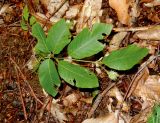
{"x":82,"y":46}
{"x":50,"y":72}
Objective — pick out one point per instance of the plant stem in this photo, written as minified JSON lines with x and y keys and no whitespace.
{"x":103,"y":69}
{"x":78,"y":60}
{"x":83,"y":61}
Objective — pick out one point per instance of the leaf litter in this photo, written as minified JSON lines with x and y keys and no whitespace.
{"x":72,"y":105}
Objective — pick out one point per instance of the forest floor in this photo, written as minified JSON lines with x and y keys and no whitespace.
{"x":21,"y":96}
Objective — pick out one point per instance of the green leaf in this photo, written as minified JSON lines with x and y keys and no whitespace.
{"x":126,"y":58}
{"x":155,"y":116}
{"x":48,"y":76}
{"x":58,"y":36}
{"x":77,"y":75}
{"x":32,"y":20}
{"x":101,"y":28}
{"x":38,"y":32}
{"x":86,"y":43}
{"x":25,"y":13}
{"x":23,"y":25}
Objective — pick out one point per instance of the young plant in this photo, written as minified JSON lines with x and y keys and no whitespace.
{"x":26,"y":19}
{"x":85,"y":44}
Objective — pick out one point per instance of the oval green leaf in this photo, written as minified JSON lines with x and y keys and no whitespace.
{"x":77,"y":75}
{"x":86,"y":44}
{"x":39,"y":34}
{"x":58,"y":36}
{"x":48,"y":77}
{"x":126,"y":58}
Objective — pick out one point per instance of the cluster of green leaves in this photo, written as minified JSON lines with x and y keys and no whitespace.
{"x":26,"y":19}
{"x":155,"y":116}
{"x":85,"y":44}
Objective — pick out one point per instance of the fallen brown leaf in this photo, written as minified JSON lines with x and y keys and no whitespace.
{"x":72,"y":12}
{"x":116,"y":41}
{"x":142,"y":116}
{"x":152,"y":33}
{"x":121,"y":8}
{"x":149,"y":90}
{"x":71,"y":99}
{"x":114,"y":92}
{"x":90,"y":13}
{"x":58,"y":112}
{"x":4,"y":8}
{"x":140,"y":78}
{"x":109,"y":118}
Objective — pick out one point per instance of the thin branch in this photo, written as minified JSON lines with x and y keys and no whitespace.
{"x":25,"y":80}
{"x":22,"y":101}
{"x":49,"y":109}
{"x":132,"y":29}
{"x":98,"y":100}
{"x":43,"y":108}
{"x":128,"y":93}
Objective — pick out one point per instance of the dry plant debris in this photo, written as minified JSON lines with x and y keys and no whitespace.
{"x":127,"y":99}
{"x":121,"y":8}
{"x":150,"y":34}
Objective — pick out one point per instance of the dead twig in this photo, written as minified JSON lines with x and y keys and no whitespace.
{"x":132,"y":29}
{"x":49,"y":108}
{"x":25,"y":80}
{"x":98,"y":99}
{"x":129,"y":91}
{"x":20,"y":91}
{"x":43,"y":108}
